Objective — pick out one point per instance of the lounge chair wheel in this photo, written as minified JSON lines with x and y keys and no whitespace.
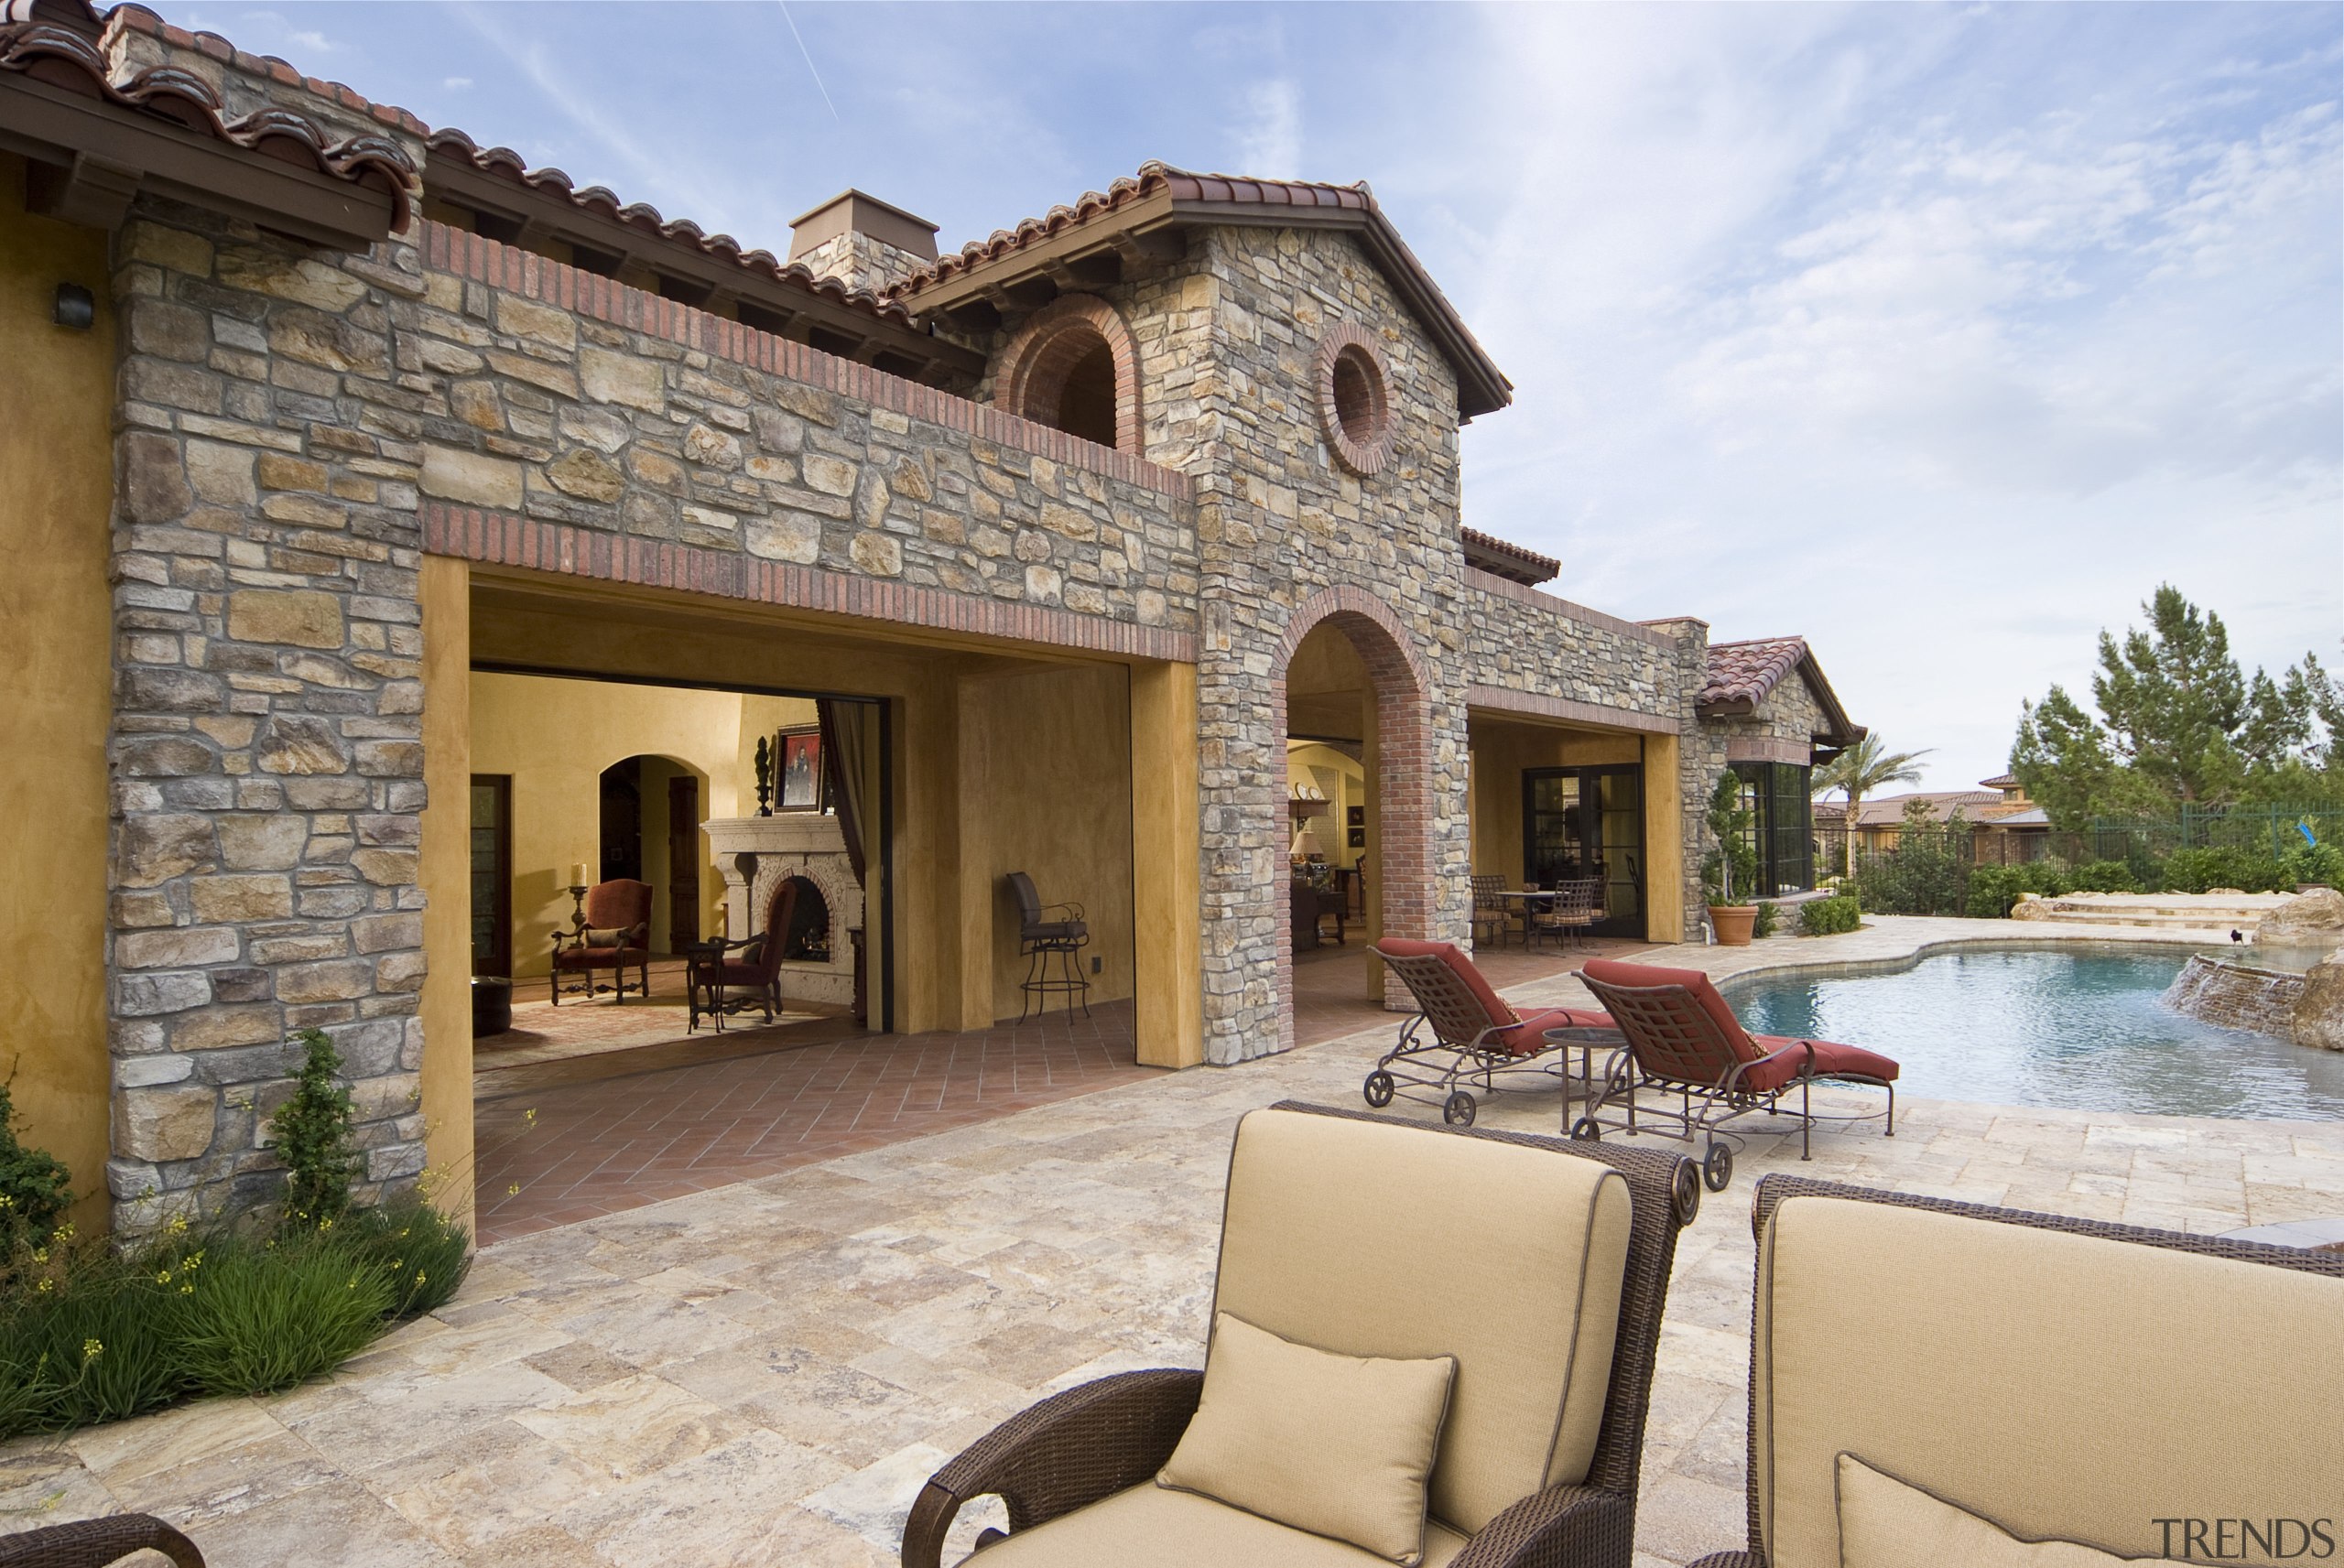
{"x":1587,"y":1130}
{"x":1378,"y":1088}
{"x":1717,"y":1168}
{"x":1459,"y":1110}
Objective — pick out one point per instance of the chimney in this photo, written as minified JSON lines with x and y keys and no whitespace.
{"x":861,"y":241}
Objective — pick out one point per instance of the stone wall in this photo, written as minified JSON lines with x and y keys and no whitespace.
{"x":265,"y":743}
{"x":554,"y":395}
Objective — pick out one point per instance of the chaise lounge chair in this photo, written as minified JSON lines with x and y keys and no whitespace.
{"x":1362,"y":1239}
{"x":1682,"y":1039}
{"x":1462,"y":1030}
{"x":96,"y":1543}
{"x":1934,"y":1382}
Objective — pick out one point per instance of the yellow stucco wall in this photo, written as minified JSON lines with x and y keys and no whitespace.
{"x":447,"y":1085}
{"x":1048,"y":769}
{"x":1166,"y":867}
{"x":985,"y":745}
{"x":56,"y":487}
{"x":1502,"y":753}
{"x":554,"y":738}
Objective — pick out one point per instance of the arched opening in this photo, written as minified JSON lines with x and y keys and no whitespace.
{"x":652,"y":808}
{"x":1358,"y":802}
{"x":1072,"y":368}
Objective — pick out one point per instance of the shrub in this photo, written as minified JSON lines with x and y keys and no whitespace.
{"x":1730,"y":870}
{"x":420,"y":1253}
{"x":1769,"y":917}
{"x":313,"y":1134}
{"x":1927,"y":873}
{"x":2218,"y":865}
{"x":1825,"y":916}
{"x":1994,"y":891}
{"x":261,"y":1316}
{"x":2106,"y":876}
{"x":33,"y":1192}
{"x":2321,"y":863}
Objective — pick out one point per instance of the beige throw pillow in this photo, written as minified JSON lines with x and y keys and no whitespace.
{"x":1883,"y":1523}
{"x":1338,"y":1445}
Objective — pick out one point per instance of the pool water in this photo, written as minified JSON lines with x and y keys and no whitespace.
{"x":2081,"y":1030}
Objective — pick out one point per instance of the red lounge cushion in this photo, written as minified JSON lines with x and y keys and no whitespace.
{"x":1611,"y":972}
{"x":1529,"y":1036}
{"x":1830,"y":1058}
{"x":1459,"y":963}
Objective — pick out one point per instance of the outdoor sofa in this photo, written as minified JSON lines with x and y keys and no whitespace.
{"x":1536,"y":1265}
{"x":1936,"y":1382}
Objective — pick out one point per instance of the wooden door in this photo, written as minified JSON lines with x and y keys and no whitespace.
{"x":491,"y":873}
{"x":683,"y":862}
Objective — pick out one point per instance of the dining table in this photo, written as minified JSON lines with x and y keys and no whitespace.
{"x":1531,"y":900}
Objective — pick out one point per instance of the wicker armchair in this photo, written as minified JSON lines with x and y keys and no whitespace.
{"x":1332,"y":1210}
{"x":96,"y":1542}
{"x":2060,"y":1378}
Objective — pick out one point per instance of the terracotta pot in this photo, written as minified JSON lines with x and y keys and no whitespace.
{"x":1732,"y":921}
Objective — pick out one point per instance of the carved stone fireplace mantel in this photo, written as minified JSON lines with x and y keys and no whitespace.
{"x":753,"y":854}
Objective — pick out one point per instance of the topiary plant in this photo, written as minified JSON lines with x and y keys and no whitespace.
{"x":313,"y":1137}
{"x":34,"y":1196}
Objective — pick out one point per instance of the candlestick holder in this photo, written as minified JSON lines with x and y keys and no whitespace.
{"x":578,"y":908}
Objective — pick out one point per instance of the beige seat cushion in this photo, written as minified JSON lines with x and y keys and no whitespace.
{"x":1366,"y":1238}
{"x":2069,"y":1388}
{"x":1150,"y":1526}
{"x":1883,"y":1523}
{"x":1339,"y":1445}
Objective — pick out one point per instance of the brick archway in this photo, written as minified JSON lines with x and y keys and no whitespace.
{"x":1401,"y":877}
{"x":1055,"y":339}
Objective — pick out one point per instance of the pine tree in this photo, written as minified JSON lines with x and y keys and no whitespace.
{"x":312,"y":1131}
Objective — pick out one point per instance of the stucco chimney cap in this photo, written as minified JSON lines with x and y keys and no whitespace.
{"x":852,"y":212}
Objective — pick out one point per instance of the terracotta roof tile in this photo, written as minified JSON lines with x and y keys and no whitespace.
{"x":1187,"y":195}
{"x":600,"y":201}
{"x":1745,"y":672}
{"x":1507,"y":559}
{"x":66,"y":57}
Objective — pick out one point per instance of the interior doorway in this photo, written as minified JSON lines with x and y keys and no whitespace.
{"x":1589,"y":822}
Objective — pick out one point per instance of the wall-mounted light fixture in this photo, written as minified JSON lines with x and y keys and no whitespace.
{"x":75,"y":308}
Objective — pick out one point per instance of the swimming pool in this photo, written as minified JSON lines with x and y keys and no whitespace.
{"x":2078,"y":1030}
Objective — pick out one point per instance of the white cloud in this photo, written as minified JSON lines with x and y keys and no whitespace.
{"x":1269,"y":138}
{"x":456,"y":83}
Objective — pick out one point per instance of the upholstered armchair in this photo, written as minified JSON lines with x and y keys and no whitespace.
{"x":1942,"y":1382}
{"x":721,"y":984}
{"x":617,"y":933}
{"x":1535,"y":1268}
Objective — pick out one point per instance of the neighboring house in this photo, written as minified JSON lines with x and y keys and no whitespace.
{"x":2005,"y":827}
{"x":400,"y":538}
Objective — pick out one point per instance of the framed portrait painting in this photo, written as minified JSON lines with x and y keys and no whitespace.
{"x":798,"y":783}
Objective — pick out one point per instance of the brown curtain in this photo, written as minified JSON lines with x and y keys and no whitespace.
{"x":846,"y":731}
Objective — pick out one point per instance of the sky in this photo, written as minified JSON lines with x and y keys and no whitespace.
{"x":1939,"y":334}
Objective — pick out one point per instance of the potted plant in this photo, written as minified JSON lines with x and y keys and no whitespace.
{"x":1733,"y":866}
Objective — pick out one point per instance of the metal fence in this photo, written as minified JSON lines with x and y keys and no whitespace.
{"x":2270,"y":830}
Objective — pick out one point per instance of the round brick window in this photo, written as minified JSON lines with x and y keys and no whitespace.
{"x":1353,"y":407}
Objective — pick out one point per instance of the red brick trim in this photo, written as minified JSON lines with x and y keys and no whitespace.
{"x":1401,"y":874}
{"x":1350,"y":339}
{"x":554,"y":283}
{"x":1642,"y":632}
{"x":1502,"y":700}
{"x":1768,"y":748}
{"x":1052,"y":341}
{"x":503,"y":539}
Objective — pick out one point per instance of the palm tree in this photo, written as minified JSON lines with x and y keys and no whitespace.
{"x":1859,"y":771}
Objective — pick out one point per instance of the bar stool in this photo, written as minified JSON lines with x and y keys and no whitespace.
{"x":1038,"y":936}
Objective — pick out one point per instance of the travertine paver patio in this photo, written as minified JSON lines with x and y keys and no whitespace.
{"x":764,"y":1372}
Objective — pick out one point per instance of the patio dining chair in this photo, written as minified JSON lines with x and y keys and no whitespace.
{"x":1515,"y":1339}
{"x":1577,"y":905}
{"x":1682,"y":1040}
{"x":1490,"y":913}
{"x":1462,"y":1032}
{"x":1936,"y":1382}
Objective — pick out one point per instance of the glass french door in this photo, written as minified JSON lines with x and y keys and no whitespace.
{"x":1589,"y":822}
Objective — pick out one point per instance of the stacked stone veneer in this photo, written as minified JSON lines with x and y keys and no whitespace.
{"x":267,"y":743}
